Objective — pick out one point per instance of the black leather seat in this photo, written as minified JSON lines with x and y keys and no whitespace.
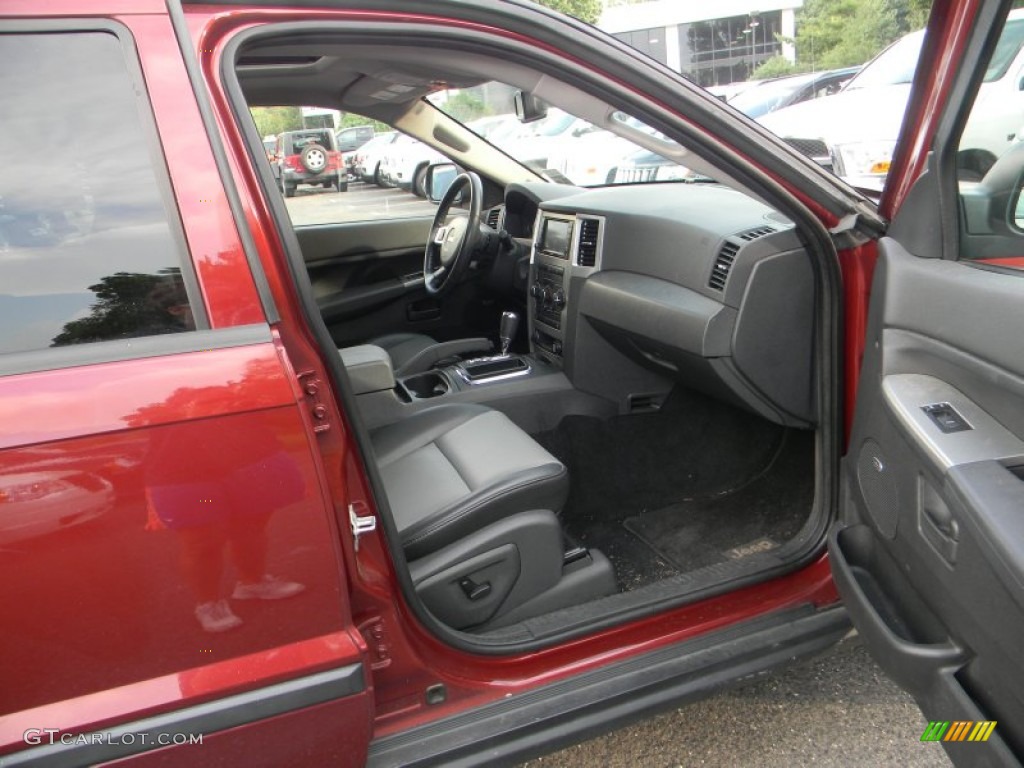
{"x":451,"y":470}
{"x":415,"y":352}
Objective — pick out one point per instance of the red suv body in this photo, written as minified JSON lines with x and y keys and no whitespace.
{"x":178,"y":434}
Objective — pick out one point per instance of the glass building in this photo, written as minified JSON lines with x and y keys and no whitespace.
{"x":709,"y":49}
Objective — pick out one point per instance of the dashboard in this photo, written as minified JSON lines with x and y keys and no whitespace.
{"x":633,"y":288}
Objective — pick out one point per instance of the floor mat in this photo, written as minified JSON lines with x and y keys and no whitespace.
{"x":694,"y":447}
{"x":755,"y":518}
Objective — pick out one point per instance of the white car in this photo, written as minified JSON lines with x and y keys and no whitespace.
{"x":854,"y":132}
{"x":591,"y":158}
{"x":404,"y":164}
{"x":493,"y":125}
{"x":534,"y":143}
{"x":366,"y":163}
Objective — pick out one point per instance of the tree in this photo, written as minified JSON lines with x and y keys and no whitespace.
{"x":271,"y":121}
{"x":131,"y":304}
{"x":843,"y":33}
{"x":351,"y":119}
{"x":776,"y":66}
{"x":584,"y":10}
{"x":466,"y":105}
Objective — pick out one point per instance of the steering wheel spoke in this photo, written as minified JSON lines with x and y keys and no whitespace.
{"x":451,"y":243}
{"x":434,"y":278}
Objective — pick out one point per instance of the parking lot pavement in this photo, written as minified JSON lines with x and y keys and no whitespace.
{"x":362,"y":202}
{"x":837,"y":709}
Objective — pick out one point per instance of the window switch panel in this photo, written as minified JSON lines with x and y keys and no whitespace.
{"x":946,"y":417}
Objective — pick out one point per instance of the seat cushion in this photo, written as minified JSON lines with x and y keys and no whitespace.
{"x":453,"y":469}
{"x":402,"y":347}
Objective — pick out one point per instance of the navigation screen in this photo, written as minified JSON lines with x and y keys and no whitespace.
{"x":555,"y":237}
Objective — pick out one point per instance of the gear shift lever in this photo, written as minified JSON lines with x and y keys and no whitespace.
{"x":507,"y":330}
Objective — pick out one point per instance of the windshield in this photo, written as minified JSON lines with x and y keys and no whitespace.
{"x":560,"y":146}
{"x":896,"y":64}
{"x":893,"y":66}
{"x":763,"y":98}
{"x":1006,"y":50}
{"x":300,"y":140}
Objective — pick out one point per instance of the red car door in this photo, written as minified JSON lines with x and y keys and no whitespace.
{"x":929,"y":558}
{"x":164,"y":583}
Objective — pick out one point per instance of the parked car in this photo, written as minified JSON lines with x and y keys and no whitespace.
{"x":458,"y":484}
{"x":351,"y":139}
{"x":534,"y":143}
{"x":494,"y":124}
{"x":309,"y":156}
{"x":644,"y":166}
{"x":366,"y":160}
{"x":588,"y":155}
{"x":781,"y":92}
{"x":404,"y":164}
{"x":854,"y":133}
{"x":729,"y":91}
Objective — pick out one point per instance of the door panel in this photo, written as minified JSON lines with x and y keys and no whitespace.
{"x":930,"y":558}
{"x":379,"y":239}
{"x":155,"y":485}
{"x":367,"y":277}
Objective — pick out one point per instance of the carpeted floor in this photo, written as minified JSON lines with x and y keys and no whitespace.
{"x":695,"y":480}
{"x":757,"y":517}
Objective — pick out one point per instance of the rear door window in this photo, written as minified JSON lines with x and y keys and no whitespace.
{"x":90,"y":249}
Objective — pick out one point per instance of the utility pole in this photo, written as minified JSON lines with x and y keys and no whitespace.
{"x":753,"y":42}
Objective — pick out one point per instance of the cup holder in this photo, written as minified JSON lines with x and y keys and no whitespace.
{"x":423,"y":386}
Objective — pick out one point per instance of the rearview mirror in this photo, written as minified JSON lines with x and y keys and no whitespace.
{"x":529,"y":108}
{"x":439,"y":178}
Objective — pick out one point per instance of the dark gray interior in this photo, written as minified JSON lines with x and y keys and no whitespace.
{"x":930,"y":562}
{"x":652,"y":435}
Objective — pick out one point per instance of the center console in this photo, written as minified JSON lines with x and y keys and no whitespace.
{"x":564,"y":246}
{"x":549,"y":284}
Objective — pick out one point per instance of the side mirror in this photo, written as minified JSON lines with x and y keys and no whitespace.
{"x":439,"y":178}
{"x":994,"y":204}
{"x":529,"y":108}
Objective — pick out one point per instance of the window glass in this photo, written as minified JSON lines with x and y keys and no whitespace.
{"x":990,"y":152}
{"x":87,"y":252}
{"x":331,"y":171}
{"x":763,"y":98}
{"x":863,"y":56}
{"x":560,"y":146}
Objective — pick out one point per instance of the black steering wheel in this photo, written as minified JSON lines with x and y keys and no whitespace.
{"x":453,"y":236}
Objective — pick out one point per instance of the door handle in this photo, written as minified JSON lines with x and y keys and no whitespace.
{"x":937,"y":525}
{"x":942,"y":521}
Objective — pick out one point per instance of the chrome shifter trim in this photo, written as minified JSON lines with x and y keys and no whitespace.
{"x":465,"y":376}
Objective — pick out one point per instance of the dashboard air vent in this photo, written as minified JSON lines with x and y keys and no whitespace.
{"x":723,"y":263}
{"x":586,"y":253}
{"x":753,"y":234}
{"x":494,"y":217}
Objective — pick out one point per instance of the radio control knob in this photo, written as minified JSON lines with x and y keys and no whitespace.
{"x":556,"y":347}
{"x":536,"y":290}
{"x":558,"y":298}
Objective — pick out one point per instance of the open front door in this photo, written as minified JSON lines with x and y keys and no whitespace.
{"x":929,"y":557}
